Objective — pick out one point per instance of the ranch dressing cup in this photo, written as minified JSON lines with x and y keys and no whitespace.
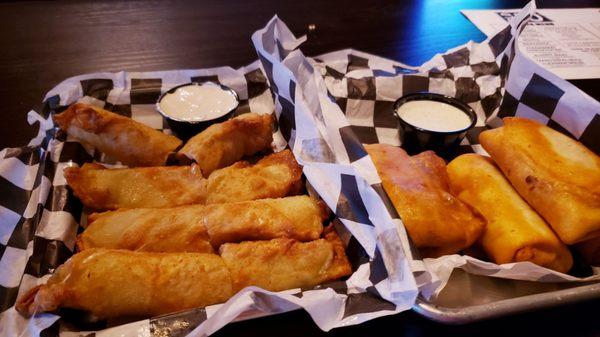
{"x":433,"y":122}
{"x":190,"y":108}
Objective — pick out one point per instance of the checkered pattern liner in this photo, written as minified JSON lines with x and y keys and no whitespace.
{"x":491,"y":77}
{"x":336,"y":165}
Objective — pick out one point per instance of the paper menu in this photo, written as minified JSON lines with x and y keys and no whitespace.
{"x":565,"y":41}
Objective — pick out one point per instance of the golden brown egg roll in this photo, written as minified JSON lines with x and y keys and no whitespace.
{"x":131,"y":142}
{"x":299,"y":217}
{"x":590,"y":251}
{"x":223,"y":144}
{"x":113,"y":283}
{"x":164,"y":186}
{"x":436,"y":221}
{"x":178,"y":229}
{"x":283,"y":263}
{"x":556,"y":175}
{"x":514,"y":232}
{"x":198,"y":228}
{"x":274,"y":176}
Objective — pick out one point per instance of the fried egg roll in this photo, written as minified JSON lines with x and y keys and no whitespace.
{"x":437,"y":222}
{"x":199,"y":228}
{"x":178,"y":229}
{"x":514,"y":232}
{"x":114,"y":283}
{"x":223,"y":144}
{"x":164,"y":186}
{"x":300,"y":218}
{"x":556,"y":175}
{"x":283,"y":263}
{"x":274,"y":176}
{"x":277,"y":175}
{"x":131,"y":142}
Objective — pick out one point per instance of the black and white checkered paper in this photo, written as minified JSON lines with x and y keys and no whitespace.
{"x":493,"y":77}
{"x":40,"y":217}
{"x":364,"y":88}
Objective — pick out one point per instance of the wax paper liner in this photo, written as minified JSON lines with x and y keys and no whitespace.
{"x":493,"y":77}
{"x":40,"y":218}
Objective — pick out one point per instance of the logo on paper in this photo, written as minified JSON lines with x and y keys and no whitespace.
{"x":535,"y":18}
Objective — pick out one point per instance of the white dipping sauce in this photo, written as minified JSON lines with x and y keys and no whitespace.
{"x":433,"y":116}
{"x":198,"y":102}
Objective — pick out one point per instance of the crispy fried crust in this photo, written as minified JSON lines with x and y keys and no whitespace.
{"x":299,"y":217}
{"x":223,"y":144}
{"x":341,"y":265}
{"x":179,"y":229}
{"x":274,"y":176}
{"x":514,"y":232}
{"x":195,"y":228}
{"x":163,"y":186}
{"x":114,"y":283}
{"x":556,"y":175}
{"x":132,"y":143}
{"x":281,"y":264}
{"x":436,"y":221}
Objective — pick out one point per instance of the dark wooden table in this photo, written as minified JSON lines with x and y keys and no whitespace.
{"x":46,"y":42}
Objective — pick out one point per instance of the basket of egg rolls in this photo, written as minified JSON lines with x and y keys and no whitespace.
{"x":517,"y":199}
{"x":140,"y":227}
{"x":525,"y":210}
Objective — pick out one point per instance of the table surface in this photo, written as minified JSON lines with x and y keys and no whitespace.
{"x":46,"y":42}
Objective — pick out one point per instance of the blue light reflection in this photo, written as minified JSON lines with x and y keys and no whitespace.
{"x":440,"y":26}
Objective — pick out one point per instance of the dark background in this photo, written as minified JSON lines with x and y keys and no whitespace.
{"x":45,"y":42}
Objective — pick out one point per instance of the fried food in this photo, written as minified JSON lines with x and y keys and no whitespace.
{"x":436,"y":221}
{"x":178,"y":229}
{"x":556,"y":175}
{"x":165,"y":186}
{"x":132,"y":143}
{"x":300,"y":218}
{"x":223,"y":144}
{"x":274,"y":176}
{"x":283,"y":263}
{"x":514,"y":232}
{"x":198,"y":228}
{"x":113,"y":283}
